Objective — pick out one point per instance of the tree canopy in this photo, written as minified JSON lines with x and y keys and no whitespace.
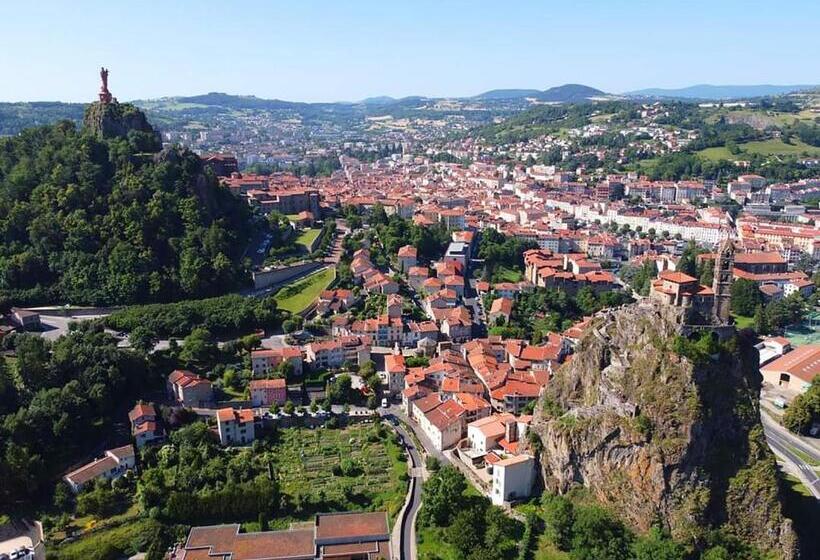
{"x":86,"y":220}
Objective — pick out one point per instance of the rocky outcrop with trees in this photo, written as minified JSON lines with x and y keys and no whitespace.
{"x":664,"y":430}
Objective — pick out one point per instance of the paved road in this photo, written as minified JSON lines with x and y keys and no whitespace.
{"x":784,"y":444}
{"x":408,"y":521}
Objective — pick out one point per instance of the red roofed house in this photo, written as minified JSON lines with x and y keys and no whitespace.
{"x":514,"y":395}
{"x":115,"y":463}
{"x":235,"y":426}
{"x":501,"y":307}
{"x":408,"y":257}
{"x":416,"y":276}
{"x":189,"y":389}
{"x":144,"y":425}
{"x":795,"y":370}
{"x":443,"y":424}
{"x":395,"y":370}
{"x":265,"y":392}
{"x":265,"y":361}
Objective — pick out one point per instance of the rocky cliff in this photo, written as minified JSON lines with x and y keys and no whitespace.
{"x":121,"y":120}
{"x":663,"y":438}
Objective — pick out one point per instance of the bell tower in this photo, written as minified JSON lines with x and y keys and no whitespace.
{"x":722,"y":283}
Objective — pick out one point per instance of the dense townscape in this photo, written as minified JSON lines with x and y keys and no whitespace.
{"x":524,"y":325}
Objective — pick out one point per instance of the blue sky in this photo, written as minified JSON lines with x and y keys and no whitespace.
{"x":347,"y":50}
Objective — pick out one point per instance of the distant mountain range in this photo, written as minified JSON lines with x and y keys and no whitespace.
{"x":567,"y":93}
{"x":712,"y":92}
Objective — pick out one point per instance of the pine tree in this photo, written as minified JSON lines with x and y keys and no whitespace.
{"x":761,"y":322}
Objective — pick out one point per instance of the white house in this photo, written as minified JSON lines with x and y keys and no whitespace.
{"x":443,"y":424}
{"x":115,"y":463}
{"x":512,"y":479}
{"x":485,"y":433}
{"x":235,"y":427}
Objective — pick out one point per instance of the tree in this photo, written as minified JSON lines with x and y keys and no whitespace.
{"x":143,"y":338}
{"x":8,"y":390}
{"x":378,"y":215}
{"x":595,"y":534}
{"x":465,"y":533}
{"x":442,"y":495}
{"x":289,"y":407}
{"x":745,"y":297}
{"x":372,"y":402}
{"x":804,"y":410}
{"x":198,"y":347}
{"x":655,"y":545}
{"x":32,"y":362}
{"x":761,"y":323}
{"x":91,"y":220}
{"x":559,"y":515}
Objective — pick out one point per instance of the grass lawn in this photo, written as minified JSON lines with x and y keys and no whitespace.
{"x":504,"y":274}
{"x":305,"y":459}
{"x":431,"y":545}
{"x":298,"y":296}
{"x":307,"y":237}
{"x":743,"y":322}
{"x":767,"y":147}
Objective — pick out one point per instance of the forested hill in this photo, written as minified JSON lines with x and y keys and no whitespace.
{"x":90,"y":218}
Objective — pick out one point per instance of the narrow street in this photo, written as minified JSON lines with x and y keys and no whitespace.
{"x":407,"y":522}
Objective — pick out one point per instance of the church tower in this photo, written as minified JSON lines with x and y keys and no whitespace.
{"x":722,"y":283}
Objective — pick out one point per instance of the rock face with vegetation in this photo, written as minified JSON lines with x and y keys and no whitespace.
{"x":665,"y":431}
{"x":119,"y":120}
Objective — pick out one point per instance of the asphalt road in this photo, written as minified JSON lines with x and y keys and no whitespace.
{"x":783,"y":444}
{"x":408,"y":522}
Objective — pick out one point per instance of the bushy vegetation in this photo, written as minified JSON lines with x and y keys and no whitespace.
{"x":395,"y":232}
{"x":195,"y":481}
{"x":467,"y":524}
{"x":66,"y":396}
{"x":699,"y":349}
{"x":220,"y":315}
{"x":499,"y":250}
{"x":804,"y":411}
{"x":544,"y":310}
{"x":584,"y":530}
{"x":92,"y":221}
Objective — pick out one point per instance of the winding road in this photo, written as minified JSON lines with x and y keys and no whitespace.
{"x":404,"y":542}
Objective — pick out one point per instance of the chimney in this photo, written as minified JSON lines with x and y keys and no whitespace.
{"x":510,"y":431}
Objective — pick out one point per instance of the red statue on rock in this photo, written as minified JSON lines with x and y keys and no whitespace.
{"x":105,"y":95}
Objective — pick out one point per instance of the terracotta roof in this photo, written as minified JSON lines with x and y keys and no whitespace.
{"x":332,"y":526}
{"x":759,"y":258}
{"x":676,"y":277}
{"x":242,"y":416}
{"x":221,"y":541}
{"x":803,"y":362}
{"x":268,"y":384}
{"x":142,"y":409}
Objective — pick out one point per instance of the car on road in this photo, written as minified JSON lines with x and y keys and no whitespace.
{"x":385,"y":403}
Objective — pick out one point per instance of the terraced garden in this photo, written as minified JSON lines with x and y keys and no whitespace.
{"x":359,"y":467}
